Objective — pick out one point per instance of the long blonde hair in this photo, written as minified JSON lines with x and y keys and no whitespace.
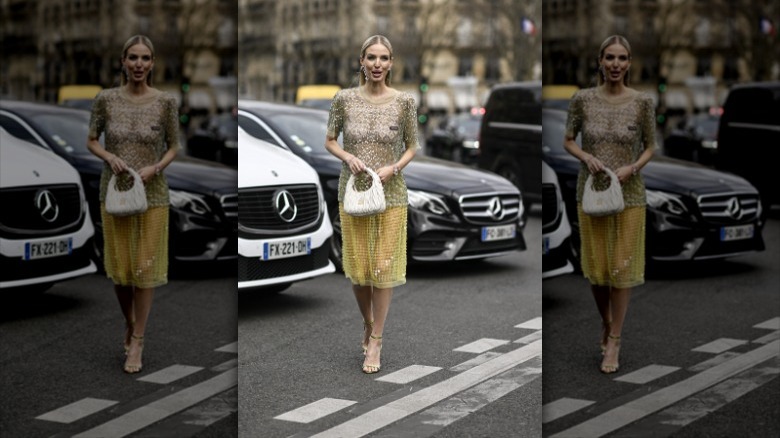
{"x":375,"y":39}
{"x":133,"y":40}
{"x":613,"y":39}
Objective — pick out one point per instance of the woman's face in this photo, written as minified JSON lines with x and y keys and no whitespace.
{"x":615,"y":61}
{"x":377,"y":62}
{"x":138,"y":62}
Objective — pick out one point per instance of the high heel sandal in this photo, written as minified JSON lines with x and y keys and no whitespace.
{"x":373,"y":368}
{"x":366,"y":325}
{"x":605,"y":330}
{"x":132,"y":368}
{"x":612,"y":367}
{"x":129,"y":326}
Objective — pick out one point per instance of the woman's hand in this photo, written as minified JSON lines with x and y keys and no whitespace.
{"x":385,"y":173}
{"x":147,"y":173}
{"x":624,"y":173}
{"x":117,"y":164}
{"x":356,"y":165}
{"x":594,"y":164}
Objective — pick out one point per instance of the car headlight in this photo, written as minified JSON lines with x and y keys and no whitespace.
{"x":709,"y":144}
{"x":666,"y":202}
{"x":190,"y":202}
{"x":471,"y":144}
{"x":429,"y":202}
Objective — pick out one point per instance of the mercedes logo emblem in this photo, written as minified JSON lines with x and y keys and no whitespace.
{"x":47,"y":205}
{"x":734,"y":209}
{"x":285,"y":205}
{"x":495,"y":209}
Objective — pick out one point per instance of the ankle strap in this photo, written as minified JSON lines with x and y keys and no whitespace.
{"x":613,"y":337}
{"x":376,"y":337}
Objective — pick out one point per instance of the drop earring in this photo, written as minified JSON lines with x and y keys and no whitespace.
{"x":603,"y":74}
{"x":365,"y":72}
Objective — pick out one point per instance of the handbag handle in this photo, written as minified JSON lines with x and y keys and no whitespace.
{"x":374,"y":178}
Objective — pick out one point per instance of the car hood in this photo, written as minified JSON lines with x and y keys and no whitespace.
{"x":25,"y":164}
{"x":435,"y":175}
{"x":674,"y":176}
{"x":263,"y":164}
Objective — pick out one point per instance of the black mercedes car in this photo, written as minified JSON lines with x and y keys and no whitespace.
{"x":693,"y":212}
{"x":455,"y":212}
{"x":204,"y":194}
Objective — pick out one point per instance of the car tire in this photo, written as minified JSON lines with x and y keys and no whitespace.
{"x":335,"y":240}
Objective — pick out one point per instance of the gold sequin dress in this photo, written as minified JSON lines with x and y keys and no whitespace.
{"x":616,"y":131}
{"x":378,"y":132}
{"x":139,"y":130}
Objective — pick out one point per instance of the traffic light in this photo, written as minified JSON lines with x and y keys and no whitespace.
{"x":185,"y":85}
{"x":662,"y":85}
{"x":424,"y":84}
{"x":422,"y":115}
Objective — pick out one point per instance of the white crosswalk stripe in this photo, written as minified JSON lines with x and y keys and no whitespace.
{"x":76,"y":410}
{"x":481,"y":345}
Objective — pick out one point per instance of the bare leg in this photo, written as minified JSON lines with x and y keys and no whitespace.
{"x":125,"y":296}
{"x":381,"y":302}
{"x":142,"y":305}
{"x":601,"y":295}
{"x":619,"y":298}
{"x":363,"y":297}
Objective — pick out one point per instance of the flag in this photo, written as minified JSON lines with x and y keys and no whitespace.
{"x":528,"y":26}
{"x":767,"y":27}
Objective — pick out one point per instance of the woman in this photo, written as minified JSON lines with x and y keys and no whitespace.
{"x":379,"y":125}
{"x":618,"y":132}
{"x":141,"y":130}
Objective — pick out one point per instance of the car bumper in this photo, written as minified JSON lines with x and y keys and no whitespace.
{"x":195,"y":238}
{"x":254,"y":272}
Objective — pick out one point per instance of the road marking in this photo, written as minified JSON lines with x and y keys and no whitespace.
{"x":432,"y":420}
{"x":408,"y":374}
{"x":665,"y":397}
{"x":142,"y":417}
{"x":720,"y":345}
{"x":772,"y":324}
{"x":715,"y":360}
{"x":533,"y":324}
{"x":417,"y":401}
{"x":224,"y":366}
{"x":768,"y":338}
{"x":563,"y":407}
{"x":530,"y":338}
{"x":229,"y":348}
{"x":478,"y":360}
{"x":170,"y":374}
{"x":76,"y":410}
{"x":315,"y":410}
{"x":647,"y":374}
{"x":481,"y":345}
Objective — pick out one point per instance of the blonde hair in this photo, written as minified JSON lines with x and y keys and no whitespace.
{"x":614,"y":39}
{"x":133,"y":40}
{"x":375,"y":39}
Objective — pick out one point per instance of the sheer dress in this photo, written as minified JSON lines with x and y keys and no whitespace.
{"x":616,"y":131}
{"x":139,"y":130}
{"x":378,"y":132}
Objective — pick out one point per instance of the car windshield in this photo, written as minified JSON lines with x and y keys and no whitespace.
{"x":227,"y":124}
{"x":468,"y":125}
{"x":707,"y":126}
{"x":307,"y":130}
{"x":553,"y":127}
{"x":68,"y":131}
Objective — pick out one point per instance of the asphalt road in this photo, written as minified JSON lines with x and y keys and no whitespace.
{"x":303,"y":346}
{"x":62,"y":359}
{"x":699,"y":354}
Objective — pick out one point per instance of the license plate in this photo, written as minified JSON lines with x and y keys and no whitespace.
{"x":738,"y":232}
{"x":501,"y":232}
{"x":287,"y":248}
{"x":545,"y":245}
{"x":48,"y":248}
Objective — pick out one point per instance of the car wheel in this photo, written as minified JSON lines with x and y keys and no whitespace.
{"x":335,"y":240}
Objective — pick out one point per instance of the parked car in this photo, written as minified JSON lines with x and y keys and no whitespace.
{"x":204,"y":198}
{"x":556,"y":230}
{"x":457,"y":138}
{"x":695,"y":138}
{"x":748,"y":133}
{"x":455,"y":212}
{"x":216,"y":140}
{"x":558,"y":96}
{"x":284,"y":227}
{"x":510,"y":136}
{"x":45,"y":228}
{"x":316,"y":95}
{"x":693,"y":212}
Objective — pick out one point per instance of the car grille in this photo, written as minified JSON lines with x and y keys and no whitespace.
{"x":482,"y":209}
{"x":229,"y":205}
{"x":550,"y":205}
{"x":257,"y":211}
{"x":250,"y":268}
{"x":729,"y":208}
{"x":22,"y":217}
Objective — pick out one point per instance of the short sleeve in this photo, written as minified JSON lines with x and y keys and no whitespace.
{"x":171,"y":123}
{"x":648,"y":123}
{"x":336,"y":116}
{"x":97,"y":120}
{"x":410,"y":124}
{"x":574,"y":117}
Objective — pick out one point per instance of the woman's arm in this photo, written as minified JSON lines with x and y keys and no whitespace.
{"x":117,"y":164}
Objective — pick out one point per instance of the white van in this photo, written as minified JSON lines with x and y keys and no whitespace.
{"x":45,"y":227}
{"x":284,"y":229}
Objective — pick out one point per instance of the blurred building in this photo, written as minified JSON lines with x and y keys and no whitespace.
{"x":457,"y":48}
{"x":686,"y":51}
{"x":50,"y":43}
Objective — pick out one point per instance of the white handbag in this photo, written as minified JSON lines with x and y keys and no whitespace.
{"x":128,"y":202}
{"x":602,"y":202}
{"x":368,"y":202}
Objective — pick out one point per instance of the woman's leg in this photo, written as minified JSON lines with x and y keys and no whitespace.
{"x":619,"y":298}
{"x":601,"y":296}
{"x":142,"y":305}
{"x":381,"y":302}
{"x":363,"y":297}
{"x":125,"y":296}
